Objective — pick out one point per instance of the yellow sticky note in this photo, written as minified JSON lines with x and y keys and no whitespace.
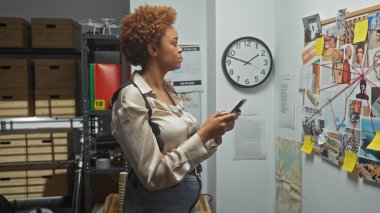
{"x":308,"y":144}
{"x":361,"y":30}
{"x":319,"y":45}
{"x":375,"y":144}
{"x":349,"y":161}
{"x":99,"y":104}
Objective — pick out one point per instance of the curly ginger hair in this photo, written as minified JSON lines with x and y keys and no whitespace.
{"x":147,"y":24}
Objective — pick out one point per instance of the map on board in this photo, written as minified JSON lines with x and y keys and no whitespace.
{"x":288,"y":176}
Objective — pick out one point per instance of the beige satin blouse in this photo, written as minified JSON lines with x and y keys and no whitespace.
{"x":183,"y":149}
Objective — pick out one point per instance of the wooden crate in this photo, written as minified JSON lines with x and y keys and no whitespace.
{"x":16,"y":73}
{"x":60,"y":103}
{"x":55,"y":33}
{"x":16,"y":102}
{"x":14,"y":33}
{"x":202,"y":205}
{"x":55,"y":73}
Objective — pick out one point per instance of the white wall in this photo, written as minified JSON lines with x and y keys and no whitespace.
{"x":325,"y":188}
{"x":244,"y":186}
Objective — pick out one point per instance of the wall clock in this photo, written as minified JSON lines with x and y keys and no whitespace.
{"x":247,"y":62}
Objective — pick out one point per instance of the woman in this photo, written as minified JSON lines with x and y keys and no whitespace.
{"x":163,"y":180}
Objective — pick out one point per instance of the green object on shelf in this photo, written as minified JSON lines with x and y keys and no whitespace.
{"x":92,"y":92}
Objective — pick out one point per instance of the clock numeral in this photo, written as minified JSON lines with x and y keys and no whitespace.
{"x":232,"y":53}
{"x":238,"y":77}
{"x":256,"y":78}
{"x":238,"y":45}
{"x":228,"y":62}
{"x":262,"y":52}
{"x":265,"y":62}
{"x":257,"y":45}
{"x":263,"y":72}
{"x":247,"y":43}
{"x":247,"y":81}
{"x":231,"y":72}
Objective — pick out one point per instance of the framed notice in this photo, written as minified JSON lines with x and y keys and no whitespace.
{"x":189,"y":76}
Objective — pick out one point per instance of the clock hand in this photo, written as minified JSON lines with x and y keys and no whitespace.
{"x":238,"y":59}
{"x":251,"y":59}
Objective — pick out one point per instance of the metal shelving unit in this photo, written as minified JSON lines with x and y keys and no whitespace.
{"x":38,"y":123}
{"x":95,"y":121}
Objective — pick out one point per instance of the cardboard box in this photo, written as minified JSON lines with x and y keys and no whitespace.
{"x":12,"y":139}
{"x":16,"y":102}
{"x":12,"y":151}
{"x":34,"y":183}
{"x":61,"y":103}
{"x":7,"y":182}
{"x":60,"y":138}
{"x":14,"y":33}
{"x":13,"y":174}
{"x":39,"y":145}
{"x":13,"y":158}
{"x":48,"y":182}
{"x":55,"y":73}
{"x":13,"y":189}
{"x":40,"y":150}
{"x":16,"y":73}
{"x":55,"y":33}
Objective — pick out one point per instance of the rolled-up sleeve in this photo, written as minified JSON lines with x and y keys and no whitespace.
{"x":133,"y":132}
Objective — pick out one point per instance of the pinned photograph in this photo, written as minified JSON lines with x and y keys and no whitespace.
{"x":347,"y":62}
{"x":369,"y":170}
{"x":330,"y":52}
{"x":374,"y":39}
{"x":362,"y":93}
{"x":312,"y":27}
{"x":374,"y":22}
{"x":330,"y":150}
{"x":312,"y":127}
{"x":374,"y":65}
{"x":353,"y":113}
{"x":369,"y":127}
{"x":350,"y":28}
{"x":340,"y":21}
{"x":350,"y":141}
{"x":359,"y":59}
{"x":375,"y":102}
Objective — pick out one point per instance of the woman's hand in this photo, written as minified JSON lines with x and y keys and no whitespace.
{"x":216,"y":125}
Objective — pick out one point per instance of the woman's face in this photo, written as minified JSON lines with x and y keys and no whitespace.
{"x":169,"y":52}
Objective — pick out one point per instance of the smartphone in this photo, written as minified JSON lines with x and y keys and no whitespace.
{"x":237,"y":107}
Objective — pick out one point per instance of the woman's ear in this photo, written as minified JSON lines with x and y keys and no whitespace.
{"x":152,"y":49}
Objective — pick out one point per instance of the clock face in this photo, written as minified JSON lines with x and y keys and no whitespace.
{"x":247,"y":62}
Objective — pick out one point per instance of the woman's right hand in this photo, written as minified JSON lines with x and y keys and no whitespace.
{"x":216,"y":125}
